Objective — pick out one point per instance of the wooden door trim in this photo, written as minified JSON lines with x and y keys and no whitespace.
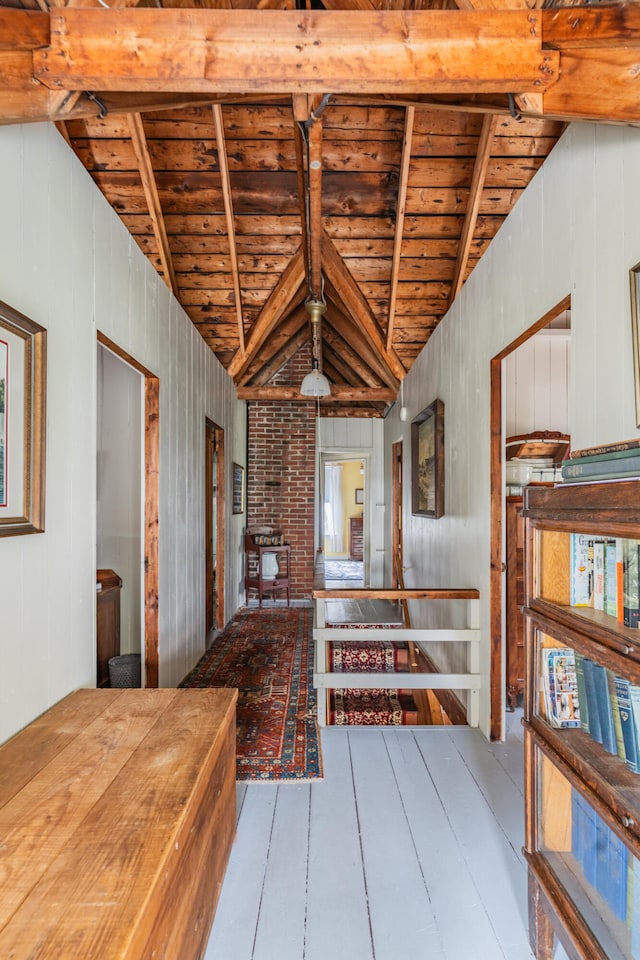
{"x":497,"y":691}
{"x":151,"y":507}
{"x":218,"y":433}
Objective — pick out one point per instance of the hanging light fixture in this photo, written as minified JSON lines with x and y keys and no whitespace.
{"x":315,"y":384}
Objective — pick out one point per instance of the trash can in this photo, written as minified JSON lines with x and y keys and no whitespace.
{"x":125,"y":670}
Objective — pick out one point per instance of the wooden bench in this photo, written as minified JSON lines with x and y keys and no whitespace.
{"x":117,"y":815}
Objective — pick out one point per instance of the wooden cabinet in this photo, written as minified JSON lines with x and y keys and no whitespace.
{"x":582,"y":797}
{"x":514,"y":601}
{"x":356,"y":538}
{"x":108,"y":587}
{"x":118,"y":820}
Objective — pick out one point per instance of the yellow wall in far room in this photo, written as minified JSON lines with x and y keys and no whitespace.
{"x":351,"y":478}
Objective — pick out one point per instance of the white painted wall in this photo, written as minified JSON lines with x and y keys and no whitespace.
{"x":575,"y":230}
{"x":341,"y":438}
{"x":67,"y":262}
{"x":536,"y":384}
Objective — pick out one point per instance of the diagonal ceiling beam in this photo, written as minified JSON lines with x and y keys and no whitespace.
{"x":139,"y":140}
{"x":475,"y":193}
{"x":289,"y":287}
{"x":351,"y":296}
{"x":228,"y":214}
{"x":402,"y":203}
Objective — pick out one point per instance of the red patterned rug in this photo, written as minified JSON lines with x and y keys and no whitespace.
{"x":267,"y":655}
{"x":370,"y":707}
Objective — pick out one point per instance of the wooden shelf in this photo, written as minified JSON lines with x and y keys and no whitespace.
{"x":574,"y":785}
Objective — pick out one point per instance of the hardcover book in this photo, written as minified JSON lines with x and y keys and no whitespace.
{"x":581,"y":580}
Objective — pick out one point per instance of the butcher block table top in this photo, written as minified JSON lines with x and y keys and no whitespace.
{"x":117,"y":814}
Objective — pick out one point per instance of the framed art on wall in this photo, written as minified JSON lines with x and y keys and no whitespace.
{"x":23,"y":363}
{"x":238,"y":489}
{"x":427,"y":461}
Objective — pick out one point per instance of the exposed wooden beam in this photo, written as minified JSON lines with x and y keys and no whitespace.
{"x":402,"y":202}
{"x":338,"y":392}
{"x":356,"y":305}
{"x":473,"y":204}
{"x":352,"y":344}
{"x":282,"y":296}
{"x":228,"y":213}
{"x":440,"y":51}
{"x":280,"y":358}
{"x":314,"y":174}
{"x":300,"y":106}
{"x":139,"y":140}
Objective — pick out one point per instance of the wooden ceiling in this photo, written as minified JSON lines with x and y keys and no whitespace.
{"x":361,"y":151}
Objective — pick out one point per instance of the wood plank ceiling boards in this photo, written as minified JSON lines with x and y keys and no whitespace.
{"x":363,"y":151}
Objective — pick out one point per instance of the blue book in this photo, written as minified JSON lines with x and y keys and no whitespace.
{"x":592,"y":703}
{"x":589,"y":820}
{"x":605,"y":710}
{"x":577,"y":828}
{"x":603,"y":878}
{"x":582,"y":692}
{"x":629,"y":733}
{"x":618,"y":874}
{"x":635,"y":909}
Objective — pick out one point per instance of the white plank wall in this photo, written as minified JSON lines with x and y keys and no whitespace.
{"x":410,"y":847}
{"x":67,"y":262}
{"x":536,"y":384}
{"x":574,"y":231}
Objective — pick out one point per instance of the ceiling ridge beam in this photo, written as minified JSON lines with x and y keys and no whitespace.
{"x":150,"y":187}
{"x":473,"y":204}
{"x":228,"y":214}
{"x":402,"y":204}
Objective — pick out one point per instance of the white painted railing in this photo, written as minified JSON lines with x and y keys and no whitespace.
{"x":324,"y":679}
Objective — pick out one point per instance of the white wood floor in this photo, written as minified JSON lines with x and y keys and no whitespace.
{"x":409,"y":848}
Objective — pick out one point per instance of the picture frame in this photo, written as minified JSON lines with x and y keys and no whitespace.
{"x":634,"y":280}
{"x":359,"y":494}
{"x":23,"y":378}
{"x":427,"y":462}
{"x":238,"y":489}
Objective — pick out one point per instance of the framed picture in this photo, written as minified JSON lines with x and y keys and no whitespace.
{"x":427,"y":462}
{"x":359,"y":494}
{"x":238,"y":488}
{"x":23,"y":374}
{"x":634,"y":277}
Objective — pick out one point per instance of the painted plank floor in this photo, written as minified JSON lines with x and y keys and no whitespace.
{"x":410,"y":847}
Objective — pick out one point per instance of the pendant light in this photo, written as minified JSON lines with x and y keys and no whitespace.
{"x":315,"y":384}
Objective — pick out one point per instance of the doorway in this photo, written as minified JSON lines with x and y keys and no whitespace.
{"x":497,"y":584}
{"x":344,"y":496}
{"x":397,"y":573}
{"x":214,"y":527}
{"x":127,"y":495}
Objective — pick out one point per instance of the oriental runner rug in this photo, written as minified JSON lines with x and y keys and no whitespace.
{"x":370,"y":707}
{"x":267,"y":654}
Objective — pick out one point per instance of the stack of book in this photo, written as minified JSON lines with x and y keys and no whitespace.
{"x":606,"y":864}
{"x":578,"y":692}
{"x":616,"y":461}
{"x":605,"y":575}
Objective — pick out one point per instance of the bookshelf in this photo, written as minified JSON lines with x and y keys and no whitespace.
{"x":581,"y":729}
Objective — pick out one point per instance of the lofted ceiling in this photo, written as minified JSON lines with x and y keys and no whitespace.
{"x":361,"y":152}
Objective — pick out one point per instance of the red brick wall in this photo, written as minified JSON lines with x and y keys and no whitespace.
{"x":281,"y":471}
